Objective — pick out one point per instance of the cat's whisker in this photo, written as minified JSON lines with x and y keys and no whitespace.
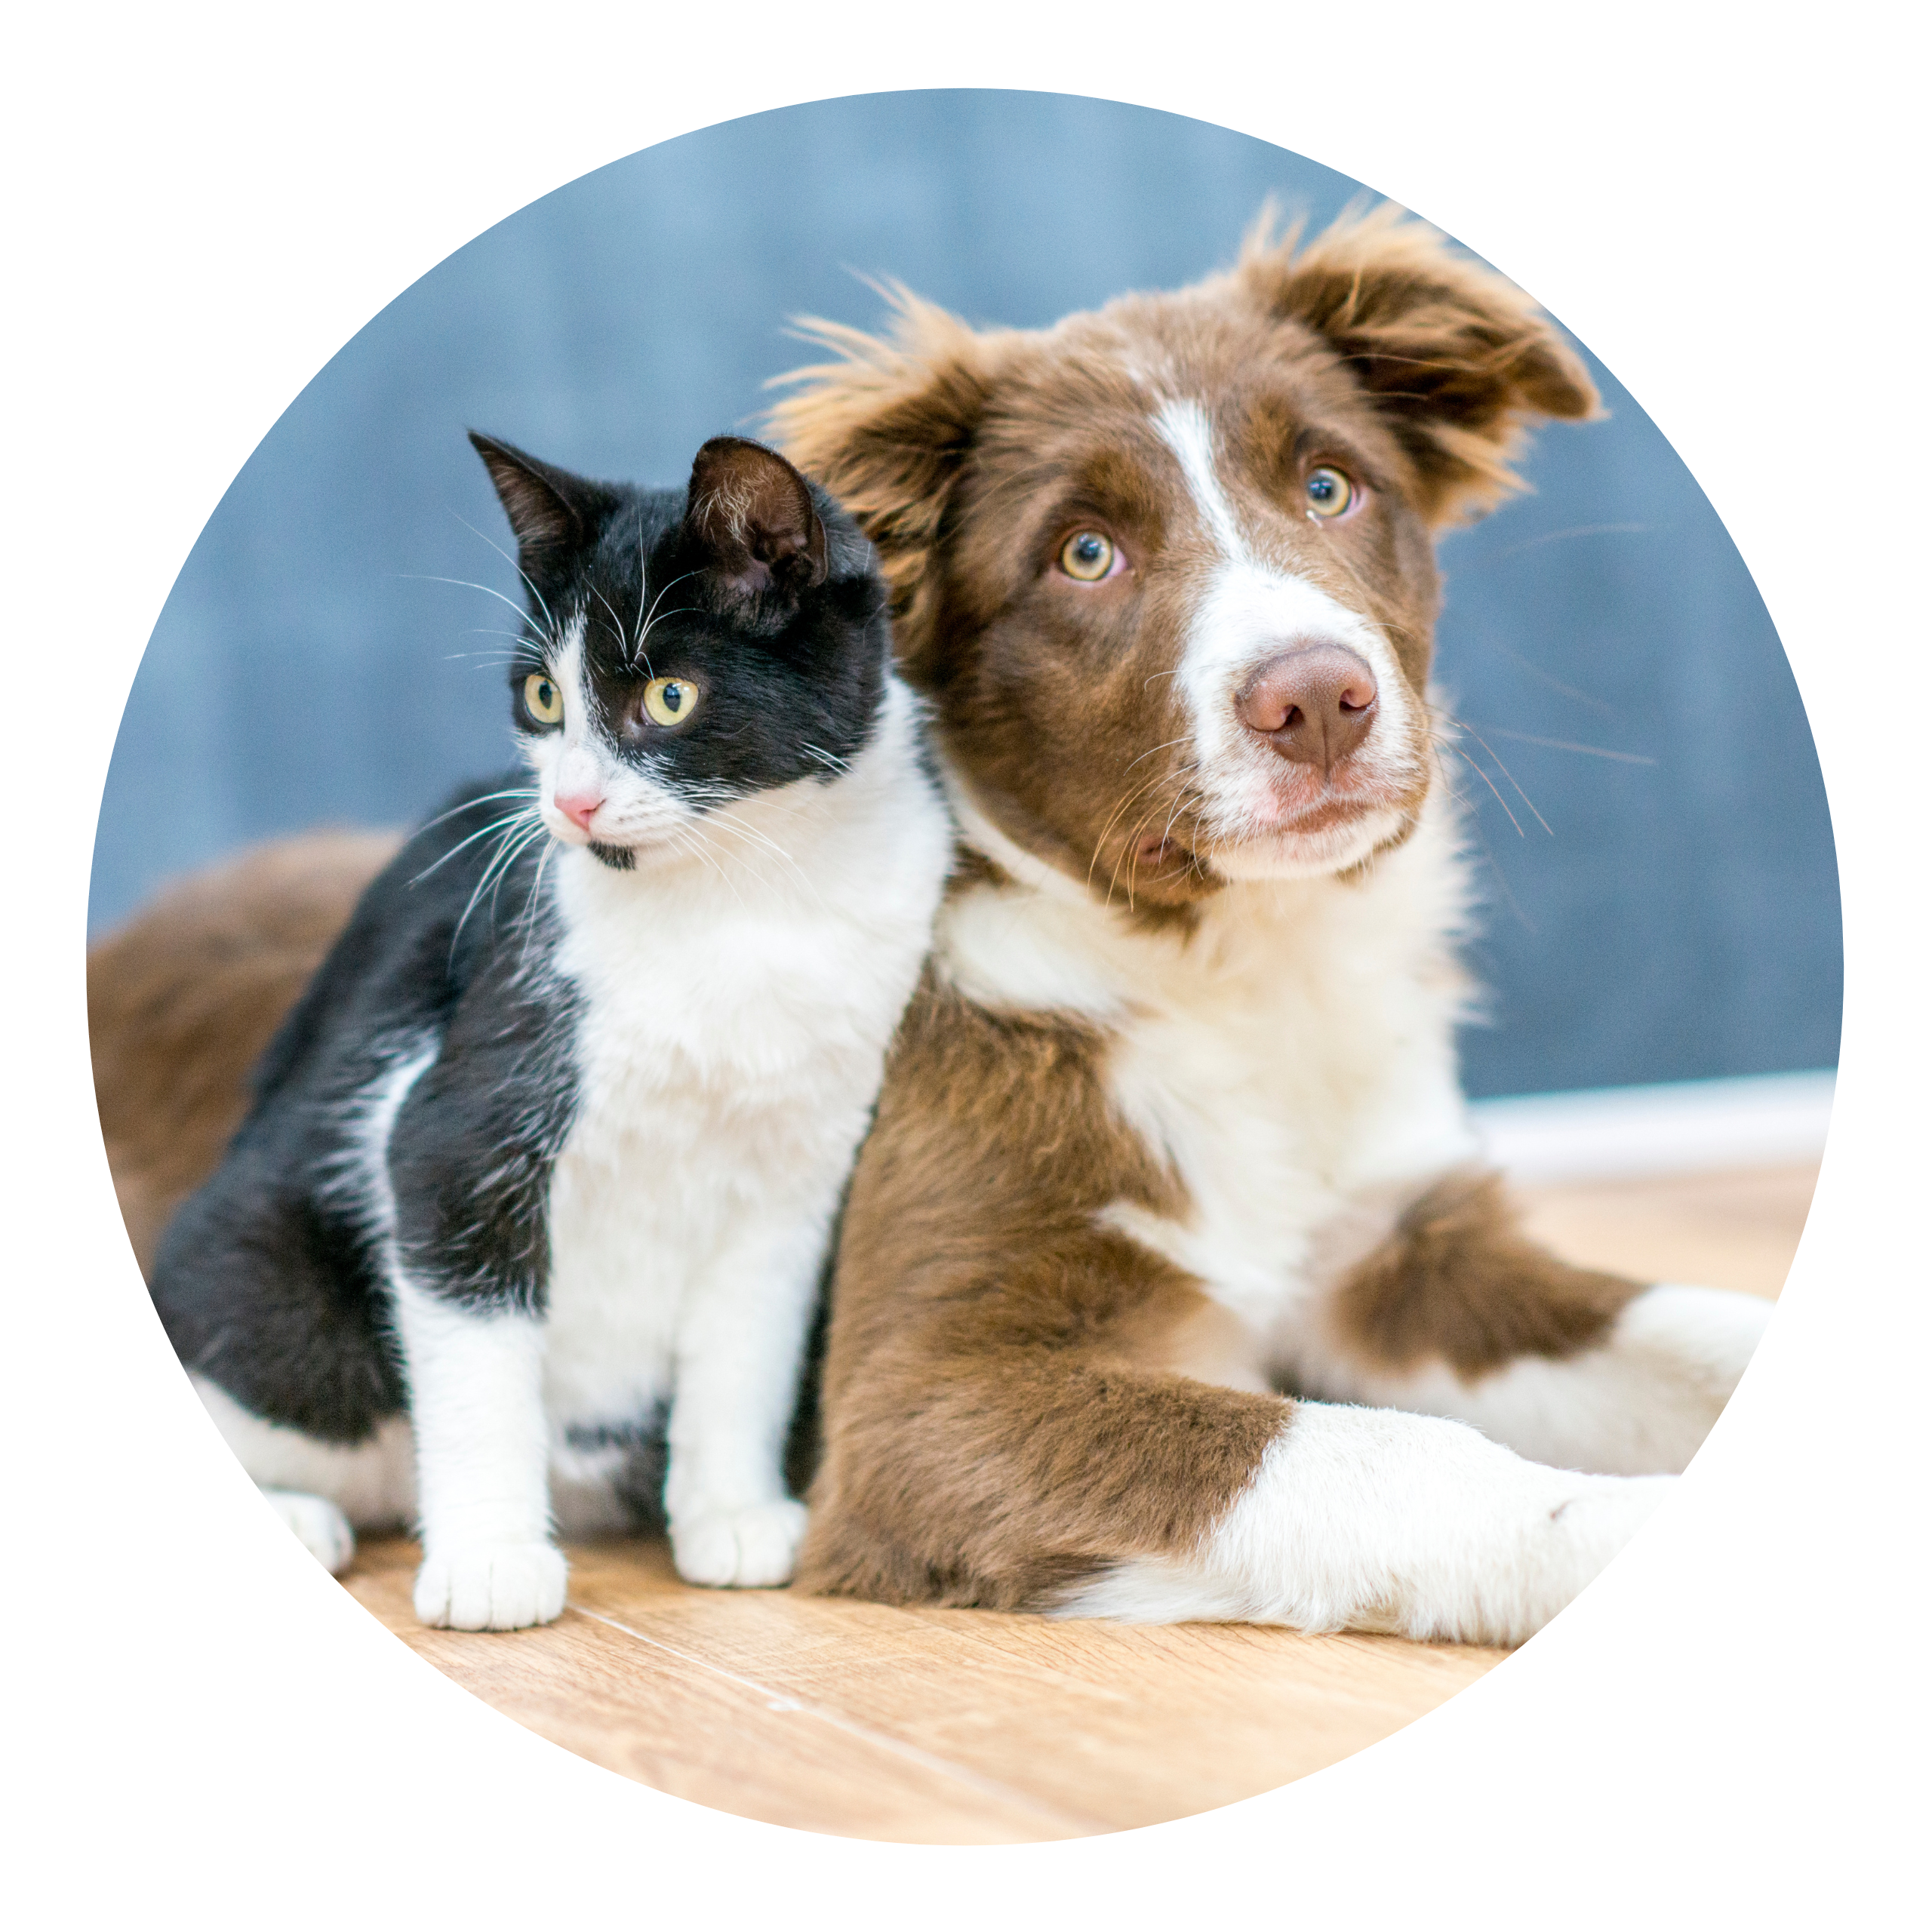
{"x":497,"y":825}
{"x":644,"y":628}
{"x":463,"y":583}
{"x":532,"y":903}
{"x":549,"y":622}
{"x":520,"y":831}
{"x":616,"y":622}
{"x":765,"y":841}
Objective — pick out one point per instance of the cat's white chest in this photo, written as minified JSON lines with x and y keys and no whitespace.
{"x":729,"y":1044}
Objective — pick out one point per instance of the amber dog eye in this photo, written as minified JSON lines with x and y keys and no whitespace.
{"x":1086,"y":556}
{"x":541,"y":694}
{"x":1330,"y":493}
{"x":670,"y":700}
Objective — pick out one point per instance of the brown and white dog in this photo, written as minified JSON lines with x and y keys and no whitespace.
{"x":1170,"y":1281}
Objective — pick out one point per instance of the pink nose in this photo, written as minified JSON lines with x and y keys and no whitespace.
{"x":579,"y":806}
{"x":1313,"y":705}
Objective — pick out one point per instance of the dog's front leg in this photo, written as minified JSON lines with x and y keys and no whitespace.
{"x":1374,"y":1519}
{"x":1459,"y":1314}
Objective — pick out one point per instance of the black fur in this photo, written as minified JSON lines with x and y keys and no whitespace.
{"x":785,"y":695}
{"x":750,"y":583}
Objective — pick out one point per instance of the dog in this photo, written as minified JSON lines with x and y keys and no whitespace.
{"x":1171,"y":1285}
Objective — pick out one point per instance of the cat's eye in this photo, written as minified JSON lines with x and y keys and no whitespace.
{"x":1086,"y":556}
{"x":544,"y":701}
{"x":669,"y":700}
{"x":1330,"y":493}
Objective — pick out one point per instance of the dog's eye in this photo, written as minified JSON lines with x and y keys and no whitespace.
{"x":545,"y":701}
{"x":1086,"y":556}
{"x":1330,"y":493}
{"x":670,"y":700}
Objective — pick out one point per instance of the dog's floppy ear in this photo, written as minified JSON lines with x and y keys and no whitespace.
{"x":1454,"y":356}
{"x":885,"y":428}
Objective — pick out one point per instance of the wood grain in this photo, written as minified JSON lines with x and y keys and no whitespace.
{"x":975,"y":1728}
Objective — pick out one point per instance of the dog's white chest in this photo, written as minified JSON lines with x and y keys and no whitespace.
{"x":1291,"y":1061}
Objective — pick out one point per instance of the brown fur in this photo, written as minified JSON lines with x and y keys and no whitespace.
{"x":1008,"y":1404}
{"x":1005,"y":1409}
{"x":969,"y":459}
{"x":183,"y":998}
{"x":993,"y":1432}
{"x":1457,"y":1281}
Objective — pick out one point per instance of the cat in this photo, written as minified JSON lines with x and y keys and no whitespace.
{"x":524,"y":1231}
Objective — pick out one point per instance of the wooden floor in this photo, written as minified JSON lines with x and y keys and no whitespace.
{"x":969,"y":1727}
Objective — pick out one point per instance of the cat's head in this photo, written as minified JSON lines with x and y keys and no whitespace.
{"x":685,"y":649}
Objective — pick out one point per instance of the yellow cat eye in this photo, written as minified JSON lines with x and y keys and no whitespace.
{"x":1086,"y":556}
{"x":545,"y":702}
{"x":670,"y":700}
{"x":1330,"y":493}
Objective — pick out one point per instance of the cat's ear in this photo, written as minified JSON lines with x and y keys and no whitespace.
{"x":553,"y":513}
{"x":751,"y":520}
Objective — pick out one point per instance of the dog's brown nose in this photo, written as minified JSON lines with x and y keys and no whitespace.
{"x":1314,"y":705}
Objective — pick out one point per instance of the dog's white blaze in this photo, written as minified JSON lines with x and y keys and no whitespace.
{"x":1251,"y":609}
{"x":1371,"y":1519}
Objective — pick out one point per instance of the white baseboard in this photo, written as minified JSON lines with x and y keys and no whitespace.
{"x":1685,"y":1128}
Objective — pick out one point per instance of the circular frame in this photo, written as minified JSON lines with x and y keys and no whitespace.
{"x":1020,"y":76}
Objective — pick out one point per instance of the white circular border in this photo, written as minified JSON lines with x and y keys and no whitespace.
{"x":1020,"y":76}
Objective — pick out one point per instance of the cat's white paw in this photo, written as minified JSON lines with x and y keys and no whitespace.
{"x":499,"y":1586}
{"x":321,"y":1528}
{"x":753,"y":1548}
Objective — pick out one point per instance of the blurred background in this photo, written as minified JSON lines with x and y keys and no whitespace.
{"x":1653,"y":846}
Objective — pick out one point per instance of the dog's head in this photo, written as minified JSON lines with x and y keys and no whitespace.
{"x":1165,"y":570}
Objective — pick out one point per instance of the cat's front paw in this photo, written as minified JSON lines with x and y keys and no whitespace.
{"x":499,"y":1586}
{"x":754,"y":1547}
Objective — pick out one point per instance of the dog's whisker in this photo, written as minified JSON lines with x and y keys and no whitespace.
{"x":1507,"y":774}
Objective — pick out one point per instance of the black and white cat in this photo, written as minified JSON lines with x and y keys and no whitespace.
{"x":525,"y":1226}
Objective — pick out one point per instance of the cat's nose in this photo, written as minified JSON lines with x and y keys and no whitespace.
{"x":580,"y":806}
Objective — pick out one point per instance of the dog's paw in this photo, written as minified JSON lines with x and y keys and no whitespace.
{"x":1703,"y":1338}
{"x":321,"y":1528}
{"x":1579,"y":1538}
{"x":499,"y":1586}
{"x":753,"y":1548}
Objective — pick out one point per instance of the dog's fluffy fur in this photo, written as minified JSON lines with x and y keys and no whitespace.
{"x":1173,"y":1137}
{"x":1170,"y":1284}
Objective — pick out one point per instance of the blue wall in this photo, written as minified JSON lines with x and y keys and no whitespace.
{"x":1678,"y":918}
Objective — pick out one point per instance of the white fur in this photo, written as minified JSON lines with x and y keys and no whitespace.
{"x":1371,"y":1519}
{"x":1641,"y":1401}
{"x":737,"y":991}
{"x":476,"y":1399}
{"x":1251,"y":609}
{"x":1291,"y":1061}
{"x":737,"y":1013}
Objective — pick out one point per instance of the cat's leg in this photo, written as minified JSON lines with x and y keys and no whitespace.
{"x":740,"y":1343}
{"x":323,"y":1491}
{"x":1457,"y":1313}
{"x":482,"y":1452}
